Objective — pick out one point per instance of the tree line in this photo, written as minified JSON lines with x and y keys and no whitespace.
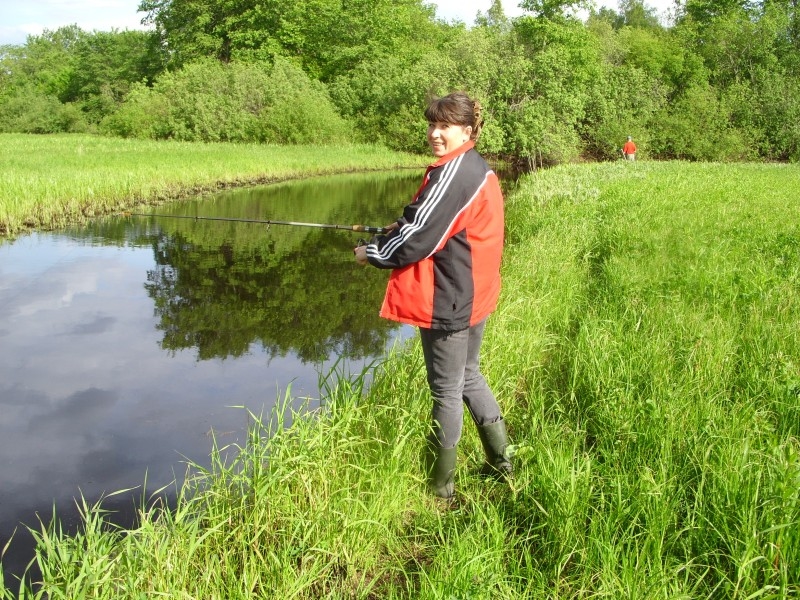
{"x":720,"y":81}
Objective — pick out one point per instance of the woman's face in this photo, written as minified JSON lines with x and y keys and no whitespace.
{"x":444,"y":138}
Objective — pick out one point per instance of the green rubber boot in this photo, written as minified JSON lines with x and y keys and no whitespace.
{"x":495,"y":444}
{"x":440,"y":464}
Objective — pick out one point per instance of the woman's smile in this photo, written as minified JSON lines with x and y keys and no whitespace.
{"x":443,"y":138}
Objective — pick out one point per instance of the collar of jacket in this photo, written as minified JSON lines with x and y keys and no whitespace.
{"x":468,"y":145}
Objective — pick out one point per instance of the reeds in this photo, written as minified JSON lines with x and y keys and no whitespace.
{"x":646,"y":356}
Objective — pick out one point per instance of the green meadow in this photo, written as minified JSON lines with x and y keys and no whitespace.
{"x":48,"y":181}
{"x":647,"y":358}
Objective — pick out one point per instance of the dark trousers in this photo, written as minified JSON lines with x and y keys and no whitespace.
{"x":455,"y":380}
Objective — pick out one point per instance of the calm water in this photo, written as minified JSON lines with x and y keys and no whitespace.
{"x":126,"y":344}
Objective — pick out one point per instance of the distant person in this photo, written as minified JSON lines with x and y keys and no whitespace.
{"x":629,"y":149}
{"x":445,"y":254}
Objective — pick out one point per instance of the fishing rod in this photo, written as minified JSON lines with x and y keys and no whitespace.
{"x":359,"y":228}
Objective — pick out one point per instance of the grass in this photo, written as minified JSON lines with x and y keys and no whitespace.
{"x":52,"y":180}
{"x":646,"y":355}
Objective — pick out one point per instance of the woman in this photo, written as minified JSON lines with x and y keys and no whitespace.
{"x":445,"y":254}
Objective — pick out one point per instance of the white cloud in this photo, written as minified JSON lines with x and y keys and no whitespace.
{"x":20,"y":19}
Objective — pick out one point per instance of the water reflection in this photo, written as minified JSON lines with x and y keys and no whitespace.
{"x":123,"y":344}
{"x":219,"y":298}
{"x":219,"y":287}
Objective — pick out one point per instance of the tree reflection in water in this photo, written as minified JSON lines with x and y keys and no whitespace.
{"x":221,"y":287}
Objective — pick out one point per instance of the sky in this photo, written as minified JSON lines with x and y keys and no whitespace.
{"x":20,"y":18}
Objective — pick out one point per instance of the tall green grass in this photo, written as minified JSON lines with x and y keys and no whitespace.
{"x":646,"y":355}
{"x":52,"y":180}
{"x":660,"y":305}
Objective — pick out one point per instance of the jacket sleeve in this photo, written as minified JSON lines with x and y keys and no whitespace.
{"x":424,"y":224}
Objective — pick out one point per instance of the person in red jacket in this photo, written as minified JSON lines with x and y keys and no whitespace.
{"x":629,"y":149}
{"x":444,"y":252}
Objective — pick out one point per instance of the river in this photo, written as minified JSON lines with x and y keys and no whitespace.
{"x":128,"y":345}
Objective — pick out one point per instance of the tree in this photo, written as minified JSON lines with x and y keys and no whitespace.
{"x":552,"y":9}
{"x":697,"y":126}
{"x":494,"y":17}
{"x":550,"y":99}
{"x":88,"y":73}
{"x":735,"y":46}
{"x":109,"y":63}
{"x":703,"y":12}
{"x":635,"y":13}
{"x":656,"y":53}
{"x":46,"y":61}
{"x":191,"y":29}
{"x":326,"y":37}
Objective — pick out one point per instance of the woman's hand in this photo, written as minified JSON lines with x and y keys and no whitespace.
{"x":360,"y":254}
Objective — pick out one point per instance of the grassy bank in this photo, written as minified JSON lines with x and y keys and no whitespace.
{"x":646,"y":355}
{"x":51,"y":180}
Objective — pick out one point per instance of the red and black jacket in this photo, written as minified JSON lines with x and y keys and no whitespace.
{"x":446,"y":252}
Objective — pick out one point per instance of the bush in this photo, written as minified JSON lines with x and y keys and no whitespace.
{"x":386,"y":95}
{"x":779,"y":105}
{"x":26,"y":110}
{"x":210,"y":101}
{"x":697,"y":127}
{"x":298,"y":110}
{"x":140,"y":115}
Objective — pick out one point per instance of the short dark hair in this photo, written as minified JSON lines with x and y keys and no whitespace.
{"x":456,"y":109}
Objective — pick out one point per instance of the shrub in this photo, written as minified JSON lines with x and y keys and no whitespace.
{"x":26,"y":110}
{"x":210,"y":101}
{"x":298,"y":110}
{"x":697,"y":127}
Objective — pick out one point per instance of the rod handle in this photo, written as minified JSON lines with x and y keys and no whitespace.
{"x":368,"y":229}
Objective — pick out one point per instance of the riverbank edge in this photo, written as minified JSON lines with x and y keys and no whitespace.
{"x":61,"y":180}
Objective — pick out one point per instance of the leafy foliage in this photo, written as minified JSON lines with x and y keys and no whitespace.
{"x":718,"y":83}
{"x":89,"y":73}
{"x":698,"y":128}
{"x":212,"y":101}
{"x":325,"y":36}
{"x":25,"y":109}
